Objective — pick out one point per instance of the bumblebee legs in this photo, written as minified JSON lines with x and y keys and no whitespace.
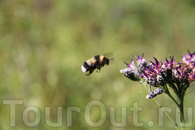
{"x":91,"y":71}
{"x":98,"y":70}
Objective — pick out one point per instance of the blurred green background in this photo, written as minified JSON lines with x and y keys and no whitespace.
{"x":43,"y":44}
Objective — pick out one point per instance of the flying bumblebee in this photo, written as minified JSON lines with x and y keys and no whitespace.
{"x":96,"y":62}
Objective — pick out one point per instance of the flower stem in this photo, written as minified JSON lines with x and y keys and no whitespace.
{"x":169,"y":94}
{"x":181,"y":108}
{"x":166,"y":114}
{"x":160,"y":106}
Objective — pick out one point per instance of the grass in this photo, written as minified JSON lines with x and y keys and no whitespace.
{"x":44,"y":43}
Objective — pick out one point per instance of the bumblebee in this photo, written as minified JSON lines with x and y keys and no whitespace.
{"x":96,"y":62}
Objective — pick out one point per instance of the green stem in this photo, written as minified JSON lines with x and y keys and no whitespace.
{"x":163,"y":108}
{"x":181,"y":108}
{"x":168,"y":93}
{"x":176,"y":89}
{"x":166,"y":114}
{"x":180,"y":94}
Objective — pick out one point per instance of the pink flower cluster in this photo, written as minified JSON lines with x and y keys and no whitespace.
{"x":161,"y":73}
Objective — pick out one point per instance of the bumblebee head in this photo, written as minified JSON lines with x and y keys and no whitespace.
{"x":105,"y":61}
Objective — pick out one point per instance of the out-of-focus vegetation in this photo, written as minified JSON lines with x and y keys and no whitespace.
{"x":43,"y":44}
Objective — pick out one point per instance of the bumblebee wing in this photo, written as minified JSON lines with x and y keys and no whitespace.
{"x":109,"y":54}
